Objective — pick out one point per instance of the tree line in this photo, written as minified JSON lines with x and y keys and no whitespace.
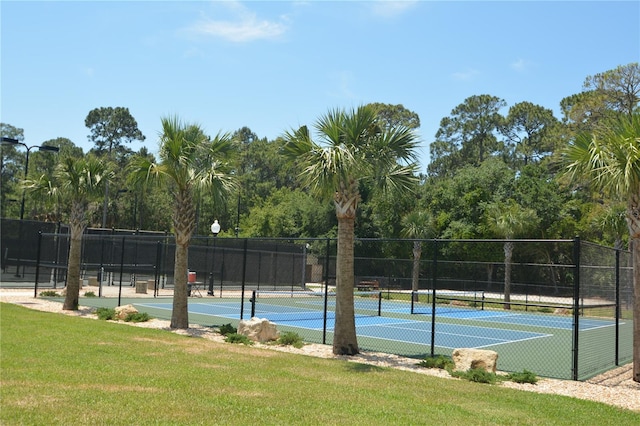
{"x":354,"y":173}
{"x":486,"y":156}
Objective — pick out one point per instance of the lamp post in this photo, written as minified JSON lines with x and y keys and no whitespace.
{"x":215,"y":229}
{"x":12,"y":141}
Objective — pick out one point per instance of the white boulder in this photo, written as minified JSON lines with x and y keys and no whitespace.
{"x":123,"y":311}
{"x":467,"y":359}
{"x":258,"y":330}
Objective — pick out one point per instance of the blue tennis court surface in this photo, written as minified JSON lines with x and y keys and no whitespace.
{"x":524,"y":318}
{"x":379,"y":327}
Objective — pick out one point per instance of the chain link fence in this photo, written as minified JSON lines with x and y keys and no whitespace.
{"x":560,"y":308}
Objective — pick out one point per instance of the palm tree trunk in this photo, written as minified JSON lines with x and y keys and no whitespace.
{"x":508,"y":254}
{"x":180,"y":312}
{"x":76,"y":225}
{"x":344,"y":339}
{"x":183,"y":224}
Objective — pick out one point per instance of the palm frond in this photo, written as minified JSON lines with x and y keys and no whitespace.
{"x":399,"y":178}
{"x":418,"y":224}
{"x":608,"y":158}
{"x":41,"y":186}
{"x":353,"y":147}
{"x":298,"y":143}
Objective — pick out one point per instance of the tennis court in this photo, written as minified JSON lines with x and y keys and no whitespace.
{"x":524,"y":340}
{"x":448,"y":336}
{"x":542,"y":342}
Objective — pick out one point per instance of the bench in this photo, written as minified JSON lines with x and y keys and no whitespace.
{"x":368,"y":285}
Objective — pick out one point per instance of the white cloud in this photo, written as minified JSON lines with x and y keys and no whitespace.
{"x":342,"y":81}
{"x":243,"y":26}
{"x":392,"y":8}
{"x":519,"y":65}
{"x":465,"y":75}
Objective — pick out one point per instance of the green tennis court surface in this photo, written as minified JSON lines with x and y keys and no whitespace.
{"x":538,"y":342}
{"x":541,"y":342}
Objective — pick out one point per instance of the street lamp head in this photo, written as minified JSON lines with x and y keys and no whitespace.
{"x":215,"y":227}
{"x":11,"y":141}
{"x":48,"y":148}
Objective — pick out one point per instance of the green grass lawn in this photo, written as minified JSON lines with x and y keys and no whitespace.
{"x":57,"y":369}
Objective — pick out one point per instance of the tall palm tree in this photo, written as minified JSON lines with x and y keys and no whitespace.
{"x":351,"y":148}
{"x":509,"y":221}
{"x":189,"y":164}
{"x":76,"y":182}
{"x":609,"y":158}
{"x":418,"y":225}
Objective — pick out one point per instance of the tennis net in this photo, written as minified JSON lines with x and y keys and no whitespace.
{"x":422,"y":301}
{"x":280,"y":306}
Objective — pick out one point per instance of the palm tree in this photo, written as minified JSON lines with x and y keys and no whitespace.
{"x":418,"y":225}
{"x":613,"y":222}
{"x":189,"y":164}
{"x":352,"y":148}
{"x":509,"y":221}
{"x":609,"y":158}
{"x":76,"y":182}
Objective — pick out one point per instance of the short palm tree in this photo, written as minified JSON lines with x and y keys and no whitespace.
{"x":352,"y":147}
{"x":189,"y":163}
{"x":417,"y":225}
{"x":76,"y":182}
{"x":613,"y":221}
{"x":609,"y":158}
{"x":509,"y":221}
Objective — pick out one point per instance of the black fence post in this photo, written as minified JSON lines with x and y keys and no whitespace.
{"x":101,"y":270}
{"x":244,"y":276}
{"x":222,"y":272}
{"x":158,"y":265}
{"x":121,"y":271}
{"x":576,"y":305}
{"x":213,"y":264}
{"x":293,"y":270}
{"x":253,"y":303}
{"x":35,"y":287}
{"x":56,"y":271}
{"x":326,"y":292}
{"x":433,"y":297}
{"x":163,"y":271}
{"x":259,"y":269}
{"x":618,"y":308}
{"x":20,"y":249}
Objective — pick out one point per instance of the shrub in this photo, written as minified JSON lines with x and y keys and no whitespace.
{"x":289,"y":338}
{"x":89,"y":294}
{"x":106,"y":313}
{"x":138,"y":317}
{"x":523,"y":377}
{"x":477,"y":375}
{"x":238,"y":338}
{"x":441,"y":361}
{"x":49,"y":293}
{"x":227,"y":329}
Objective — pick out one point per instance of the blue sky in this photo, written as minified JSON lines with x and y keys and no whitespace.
{"x":275,"y":65}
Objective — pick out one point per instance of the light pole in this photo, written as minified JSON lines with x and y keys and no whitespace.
{"x":215,"y":229}
{"x":12,"y":141}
